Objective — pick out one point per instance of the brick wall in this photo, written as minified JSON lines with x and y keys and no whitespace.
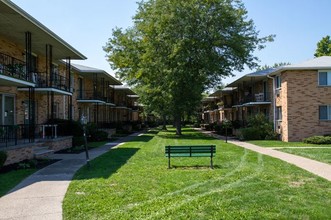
{"x":300,"y":99}
{"x":16,"y":155}
{"x":59,"y":143}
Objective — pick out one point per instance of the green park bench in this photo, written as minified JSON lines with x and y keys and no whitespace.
{"x":191,"y":151}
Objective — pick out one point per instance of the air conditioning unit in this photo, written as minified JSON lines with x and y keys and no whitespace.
{"x":278,"y":126}
{"x":278,"y":92}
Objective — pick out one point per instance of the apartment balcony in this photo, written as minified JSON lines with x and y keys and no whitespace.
{"x":254,"y":99}
{"x":13,"y":72}
{"x":91,"y":96}
{"x":13,"y":135}
{"x":57,"y":81}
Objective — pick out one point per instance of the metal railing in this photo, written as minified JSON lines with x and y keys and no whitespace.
{"x":13,"y":67}
{"x":11,"y":135}
{"x":257,"y":97}
{"x":43,"y":80}
{"x":90,"y":95}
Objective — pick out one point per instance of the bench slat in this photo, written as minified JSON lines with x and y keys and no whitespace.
{"x":190,"y":151}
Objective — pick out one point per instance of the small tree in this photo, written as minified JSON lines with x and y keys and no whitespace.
{"x":323,"y":47}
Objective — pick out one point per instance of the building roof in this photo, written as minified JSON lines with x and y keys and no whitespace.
{"x":14,"y":22}
{"x":88,"y":72}
{"x":126,"y":89}
{"x":323,"y":62}
{"x":252,"y":77}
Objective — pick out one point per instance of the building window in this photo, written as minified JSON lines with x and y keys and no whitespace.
{"x":279,"y":113}
{"x":278,"y":82}
{"x":325,"y":112}
{"x":324,"y":78}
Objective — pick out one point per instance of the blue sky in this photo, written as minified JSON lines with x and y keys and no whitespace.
{"x":87,"y":25}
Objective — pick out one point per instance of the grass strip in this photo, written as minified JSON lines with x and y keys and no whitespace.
{"x":133,"y":182}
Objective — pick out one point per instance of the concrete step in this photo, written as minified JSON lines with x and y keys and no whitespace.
{"x":42,"y":152}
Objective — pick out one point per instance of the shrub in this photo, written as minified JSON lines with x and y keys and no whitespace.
{"x":259,"y":128}
{"x":251,"y":133}
{"x":99,"y":136}
{"x":67,"y":127}
{"x":77,"y":141}
{"x":318,"y":140}
{"x":3,"y":158}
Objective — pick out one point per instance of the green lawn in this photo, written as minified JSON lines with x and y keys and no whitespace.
{"x":319,"y":154}
{"x":133,"y":182}
{"x":11,"y":179}
{"x":271,"y":143}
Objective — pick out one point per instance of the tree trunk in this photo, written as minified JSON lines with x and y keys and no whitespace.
{"x":164,"y":127}
{"x":178,"y":125}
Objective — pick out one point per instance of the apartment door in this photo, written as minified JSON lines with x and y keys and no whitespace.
{"x":7,"y":109}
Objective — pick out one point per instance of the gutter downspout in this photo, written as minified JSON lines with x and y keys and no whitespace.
{"x":273,"y":99}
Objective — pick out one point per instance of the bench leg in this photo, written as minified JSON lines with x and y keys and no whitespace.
{"x":211,"y":162}
{"x":168,"y":162}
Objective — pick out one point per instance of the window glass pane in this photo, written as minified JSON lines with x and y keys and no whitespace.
{"x":278,"y":82}
{"x":323,"y":112}
{"x":328,"y":78}
{"x":278,"y":113}
{"x":323,"y":79}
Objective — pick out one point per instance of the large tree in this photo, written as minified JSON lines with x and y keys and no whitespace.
{"x":182,"y":48}
{"x":323,"y":47}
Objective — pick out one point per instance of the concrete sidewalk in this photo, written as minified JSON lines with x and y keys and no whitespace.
{"x":318,"y":168}
{"x":40,"y":195}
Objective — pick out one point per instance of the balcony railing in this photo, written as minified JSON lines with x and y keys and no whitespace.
{"x":13,"y":67}
{"x":11,"y":135}
{"x":90,"y":95}
{"x":257,"y":97}
{"x":43,"y":80}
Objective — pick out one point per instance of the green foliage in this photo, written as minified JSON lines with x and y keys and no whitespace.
{"x":78,"y":141}
{"x":323,"y":47}
{"x":3,"y":158}
{"x":221,"y":128}
{"x":67,"y":127}
{"x":318,"y":140}
{"x":176,"y":49}
{"x":94,"y":134}
{"x":258,"y":128}
{"x":251,"y":133}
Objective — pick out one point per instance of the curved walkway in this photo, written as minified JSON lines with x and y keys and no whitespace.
{"x":40,"y":195}
{"x":318,"y":168}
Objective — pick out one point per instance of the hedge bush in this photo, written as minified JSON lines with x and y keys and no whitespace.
{"x":259,"y":128}
{"x":3,"y":158}
{"x":318,"y":140}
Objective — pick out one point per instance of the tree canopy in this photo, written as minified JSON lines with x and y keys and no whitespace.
{"x":323,"y":47}
{"x":176,"y":49}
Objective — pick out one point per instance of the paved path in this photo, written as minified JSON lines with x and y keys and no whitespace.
{"x":313,"y":166}
{"x":40,"y":195}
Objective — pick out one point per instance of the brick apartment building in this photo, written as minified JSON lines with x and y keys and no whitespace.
{"x":39,"y":84}
{"x":296,"y":98}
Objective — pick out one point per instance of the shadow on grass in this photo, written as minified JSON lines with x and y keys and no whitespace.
{"x":107,"y":164}
{"x":194,"y":167}
{"x":193,"y":136}
{"x":142,"y":138}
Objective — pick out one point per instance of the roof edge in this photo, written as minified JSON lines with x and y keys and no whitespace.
{"x":42,"y":27}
